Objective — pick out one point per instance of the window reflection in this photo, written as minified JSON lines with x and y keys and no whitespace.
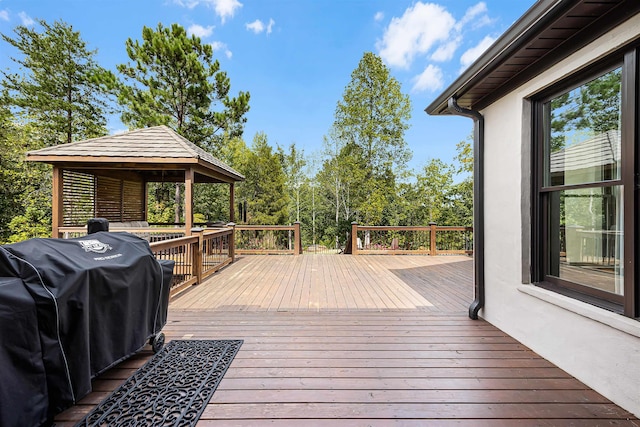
{"x":583,"y":133}
{"x":585,"y":237}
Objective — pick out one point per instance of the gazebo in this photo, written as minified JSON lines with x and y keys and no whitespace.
{"x":107,"y":177}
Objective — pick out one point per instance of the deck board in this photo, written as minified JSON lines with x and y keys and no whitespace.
{"x":364,"y":340}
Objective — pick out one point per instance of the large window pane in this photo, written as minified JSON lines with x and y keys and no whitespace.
{"x":585,"y":237}
{"x":582,"y":135}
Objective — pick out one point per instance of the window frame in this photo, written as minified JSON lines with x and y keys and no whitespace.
{"x":627,"y":304}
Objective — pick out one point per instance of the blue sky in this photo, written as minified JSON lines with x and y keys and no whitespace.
{"x":295,"y":57}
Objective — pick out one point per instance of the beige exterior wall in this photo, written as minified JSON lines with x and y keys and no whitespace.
{"x":600,"y":348}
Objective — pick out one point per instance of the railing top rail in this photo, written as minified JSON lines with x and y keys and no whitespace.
{"x":266,"y":227}
{"x":80,"y":229}
{"x":453,"y":228}
{"x":209,"y":232}
{"x":172,"y":243}
{"x":412,"y":228}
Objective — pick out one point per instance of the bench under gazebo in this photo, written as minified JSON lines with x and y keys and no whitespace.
{"x":107,"y":177}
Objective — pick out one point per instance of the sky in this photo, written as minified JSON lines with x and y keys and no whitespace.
{"x":295,"y":57}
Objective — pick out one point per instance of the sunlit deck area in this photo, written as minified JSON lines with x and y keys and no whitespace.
{"x":338,"y":340}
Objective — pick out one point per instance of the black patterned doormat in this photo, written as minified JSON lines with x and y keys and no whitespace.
{"x":171,"y":389}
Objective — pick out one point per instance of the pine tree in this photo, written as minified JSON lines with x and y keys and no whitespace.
{"x":59,"y":88}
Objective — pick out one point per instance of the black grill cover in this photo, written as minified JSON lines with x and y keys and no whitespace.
{"x":80,"y":306}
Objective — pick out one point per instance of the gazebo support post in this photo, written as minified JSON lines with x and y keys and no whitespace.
{"x":189,"y":176}
{"x":232,"y":202}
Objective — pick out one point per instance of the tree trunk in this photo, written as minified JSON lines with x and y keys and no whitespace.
{"x":177,"y":203}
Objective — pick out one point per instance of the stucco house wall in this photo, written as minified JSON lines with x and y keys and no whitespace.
{"x":600,"y":348}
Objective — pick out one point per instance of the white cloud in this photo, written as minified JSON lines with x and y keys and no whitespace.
{"x":258,"y":26}
{"x":219,"y":46}
{"x":190,"y":4}
{"x":379,"y":16}
{"x":4,"y":15}
{"x":472,"y":15}
{"x":422,"y":27}
{"x":445,"y":51}
{"x":428,"y":29}
{"x":474,"y":53}
{"x":430,"y":79}
{"x":200,"y":31}
{"x":26,"y":19}
{"x":223,"y":8}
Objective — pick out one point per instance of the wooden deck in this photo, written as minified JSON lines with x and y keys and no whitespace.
{"x":364,"y":341}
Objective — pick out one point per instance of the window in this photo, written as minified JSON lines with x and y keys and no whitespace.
{"x":584,"y":206}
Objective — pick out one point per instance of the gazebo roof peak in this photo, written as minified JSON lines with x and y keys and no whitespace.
{"x":148,"y":145}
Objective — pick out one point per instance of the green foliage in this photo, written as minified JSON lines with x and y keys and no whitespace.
{"x":25,"y":188}
{"x":160,"y":202}
{"x":293,"y":164}
{"x":264,"y":189}
{"x":435,"y":183}
{"x":373,"y":115}
{"x":34,"y":222}
{"x":60,"y":88}
{"x":366,"y":152}
{"x":211,"y":203}
{"x":173,"y":80}
{"x":464,"y":156}
{"x":593,"y":108}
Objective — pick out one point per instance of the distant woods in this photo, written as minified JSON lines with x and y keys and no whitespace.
{"x":57,"y":93}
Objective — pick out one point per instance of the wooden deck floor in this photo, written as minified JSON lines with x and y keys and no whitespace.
{"x":364,"y":341}
{"x":336,"y":283}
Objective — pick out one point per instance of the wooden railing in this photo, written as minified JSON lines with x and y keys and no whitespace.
{"x":151,"y":234}
{"x":206,"y":251}
{"x":268,"y":239}
{"x":197,"y":256}
{"x":430,"y":240}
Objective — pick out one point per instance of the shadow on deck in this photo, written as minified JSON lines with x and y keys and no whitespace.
{"x":364,"y":340}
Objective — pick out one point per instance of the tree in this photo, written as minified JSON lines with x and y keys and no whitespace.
{"x":25,"y":187}
{"x":593,"y":107}
{"x":61,"y":90}
{"x":294,"y":163}
{"x":173,"y":80}
{"x":264,"y":188}
{"x":373,"y":115}
{"x":435,"y":184}
{"x":460,"y":212}
{"x":370,"y":122}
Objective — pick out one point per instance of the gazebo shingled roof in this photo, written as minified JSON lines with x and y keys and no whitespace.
{"x":153,"y":148}
{"x":154,"y":154}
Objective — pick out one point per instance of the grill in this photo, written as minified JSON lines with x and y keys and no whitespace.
{"x":69,"y":310}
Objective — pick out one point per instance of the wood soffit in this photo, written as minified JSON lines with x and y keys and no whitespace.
{"x":547,"y":33}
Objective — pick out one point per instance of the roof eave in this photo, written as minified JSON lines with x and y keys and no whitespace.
{"x":516,"y":36}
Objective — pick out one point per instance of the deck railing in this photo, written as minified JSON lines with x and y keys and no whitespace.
{"x":206,"y":251}
{"x":429,"y":240}
{"x":197,"y":256}
{"x":151,"y":234}
{"x":268,"y":239}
